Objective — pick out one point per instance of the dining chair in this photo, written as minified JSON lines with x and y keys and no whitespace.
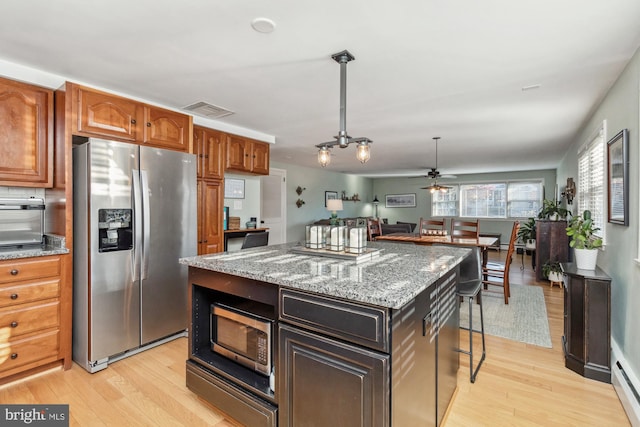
{"x":466,"y":228}
{"x":373,"y":228}
{"x":253,"y":240}
{"x":497,"y":274}
{"x":430,"y":224}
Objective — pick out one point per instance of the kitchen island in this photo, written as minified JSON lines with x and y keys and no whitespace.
{"x":370,"y":342}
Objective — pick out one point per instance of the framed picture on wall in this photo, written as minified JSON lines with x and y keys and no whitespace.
{"x":233,"y":188}
{"x":618,"y":178}
{"x":400,"y":200}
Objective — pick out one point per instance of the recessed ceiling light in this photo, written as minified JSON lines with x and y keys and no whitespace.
{"x":531,"y":87}
{"x":263,"y":25}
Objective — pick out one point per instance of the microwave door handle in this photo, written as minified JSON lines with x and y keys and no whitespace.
{"x":137,"y":223}
{"x":144,"y":182}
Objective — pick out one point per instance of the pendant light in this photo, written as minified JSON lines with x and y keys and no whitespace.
{"x":343,"y":139}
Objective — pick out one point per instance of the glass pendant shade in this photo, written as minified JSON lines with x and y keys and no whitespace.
{"x":363,"y":154}
{"x":324,"y":156}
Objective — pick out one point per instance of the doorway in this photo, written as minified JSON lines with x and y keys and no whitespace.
{"x":273,"y":213}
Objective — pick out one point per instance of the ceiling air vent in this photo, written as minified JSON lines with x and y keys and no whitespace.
{"x":208,"y":110}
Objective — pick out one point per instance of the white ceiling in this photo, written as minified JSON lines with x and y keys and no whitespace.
{"x":423,"y":68}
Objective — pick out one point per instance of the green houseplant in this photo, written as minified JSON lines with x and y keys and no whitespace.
{"x":527,"y":233}
{"x":552,"y":271}
{"x":552,"y":210}
{"x":584,"y":241}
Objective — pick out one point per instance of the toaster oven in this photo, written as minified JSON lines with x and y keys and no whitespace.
{"x":21,"y":222}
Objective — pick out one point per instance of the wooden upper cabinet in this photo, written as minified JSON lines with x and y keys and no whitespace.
{"x":247,"y":155}
{"x":26,"y":135}
{"x":105,"y":115}
{"x":260,"y":151}
{"x":110,"y":116}
{"x":167,"y":129}
{"x":209,"y":147}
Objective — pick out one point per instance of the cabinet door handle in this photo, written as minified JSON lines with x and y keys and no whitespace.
{"x":14,"y":296}
{"x":14,"y":356}
{"x":14,"y":272}
{"x":133,"y":121}
{"x":14,"y":324}
{"x":148,"y":124}
{"x":426,"y":320}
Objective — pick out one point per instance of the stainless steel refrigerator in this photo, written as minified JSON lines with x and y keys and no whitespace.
{"x":134,"y":217}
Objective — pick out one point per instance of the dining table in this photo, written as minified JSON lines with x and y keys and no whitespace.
{"x":483,"y":242}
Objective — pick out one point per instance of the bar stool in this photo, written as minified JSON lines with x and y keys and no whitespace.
{"x":470,"y":288}
{"x":473,"y":290}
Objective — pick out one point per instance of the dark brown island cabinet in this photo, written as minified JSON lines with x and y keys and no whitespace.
{"x":336,"y":361}
{"x":587,"y":322}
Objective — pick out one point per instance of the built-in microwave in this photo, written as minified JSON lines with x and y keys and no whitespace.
{"x":242,"y":335}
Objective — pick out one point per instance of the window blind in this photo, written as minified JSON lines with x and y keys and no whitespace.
{"x":591,"y":180}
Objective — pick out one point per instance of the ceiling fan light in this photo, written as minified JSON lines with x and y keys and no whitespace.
{"x":363,"y":152}
{"x":324,"y":156}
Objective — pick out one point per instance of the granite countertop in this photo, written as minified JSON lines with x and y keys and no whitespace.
{"x":389,"y":279}
{"x":53,"y":245}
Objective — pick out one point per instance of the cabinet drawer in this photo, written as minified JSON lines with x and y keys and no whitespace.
{"x":33,"y":291}
{"x":28,"y":350}
{"x":237,"y":403}
{"x":355,"y":323}
{"x":33,"y":268}
{"x":25,"y":318}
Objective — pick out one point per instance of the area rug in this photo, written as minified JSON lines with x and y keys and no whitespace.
{"x":524,"y":319}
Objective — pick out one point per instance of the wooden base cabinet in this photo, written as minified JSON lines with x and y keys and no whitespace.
{"x":35,"y":307}
{"x":26,"y":135}
{"x":335,"y":362}
{"x":587,"y":322}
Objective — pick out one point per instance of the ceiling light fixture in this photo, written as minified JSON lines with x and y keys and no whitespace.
{"x":343,"y":139}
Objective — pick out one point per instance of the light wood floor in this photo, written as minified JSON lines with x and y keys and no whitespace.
{"x":518,"y":385}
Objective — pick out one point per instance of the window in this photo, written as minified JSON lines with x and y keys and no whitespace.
{"x":483,"y":200}
{"x":524,"y":199}
{"x":445,"y":203}
{"x":517,"y":199}
{"x":591,"y":175}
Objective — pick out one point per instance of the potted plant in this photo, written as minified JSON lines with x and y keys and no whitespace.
{"x":552,"y":271}
{"x":527,"y":233}
{"x":552,"y":210}
{"x":584,"y":242}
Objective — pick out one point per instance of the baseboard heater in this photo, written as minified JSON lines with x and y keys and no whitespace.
{"x":628,"y":394}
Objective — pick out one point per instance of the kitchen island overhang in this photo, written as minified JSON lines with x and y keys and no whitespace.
{"x":388,"y":325}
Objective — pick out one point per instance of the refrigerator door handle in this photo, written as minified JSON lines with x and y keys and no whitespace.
{"x":146,"y":220}
{"x":137,"y":222}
